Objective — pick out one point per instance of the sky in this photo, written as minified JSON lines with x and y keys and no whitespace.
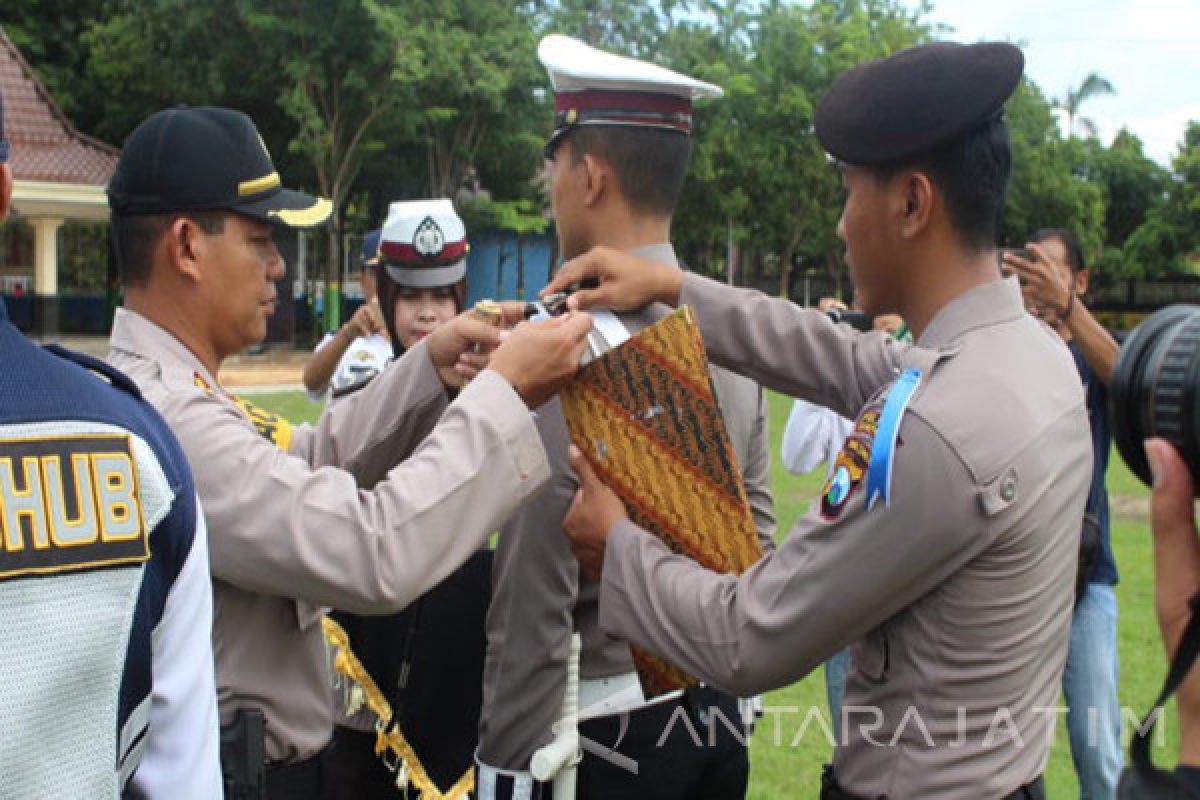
{"x":1148,"y":49}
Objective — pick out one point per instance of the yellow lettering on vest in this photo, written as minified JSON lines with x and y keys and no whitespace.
{"x":116,"y":489}
{"x":83,"y":527}
{"x":24,"y":509}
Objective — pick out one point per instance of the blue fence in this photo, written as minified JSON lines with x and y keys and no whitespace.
{"x":504,"y":266}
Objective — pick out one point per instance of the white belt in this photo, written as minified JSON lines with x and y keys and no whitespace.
{"x":602,"y":697}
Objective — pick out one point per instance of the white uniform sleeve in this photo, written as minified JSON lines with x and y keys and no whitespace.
{"x":323,"y":394}
{"x":813,"y":434}
{"x":182,"y":760}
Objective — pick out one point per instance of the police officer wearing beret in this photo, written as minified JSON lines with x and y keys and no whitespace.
{"x":107,"y":661}
{"x":195,"y":199}
{"x":943,"y":549}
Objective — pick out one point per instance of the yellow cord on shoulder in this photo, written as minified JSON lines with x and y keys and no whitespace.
{"x":389,"y":738}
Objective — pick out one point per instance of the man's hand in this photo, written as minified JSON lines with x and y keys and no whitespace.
{"x":594,"y":511}
{"x":1176,"y":575}
{"x":363,"y":323}
{"x":1041,"y":281}
{"x":538,"y":358}
{"x":623,"y":282}
{"x":459,"y":349}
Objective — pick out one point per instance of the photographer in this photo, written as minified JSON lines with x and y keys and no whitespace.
{"x":1176,"y":580}
{"x":1053,"y":279}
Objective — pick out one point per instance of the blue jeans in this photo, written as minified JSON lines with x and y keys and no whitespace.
{"x":1090,"y":688}
{"x":835,"y":686}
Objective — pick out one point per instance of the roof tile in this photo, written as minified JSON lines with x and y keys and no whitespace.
{"x":45,"y":145}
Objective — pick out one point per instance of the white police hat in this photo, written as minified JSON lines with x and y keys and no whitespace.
{"x":424,"y":244}
{"x":595,"y":88}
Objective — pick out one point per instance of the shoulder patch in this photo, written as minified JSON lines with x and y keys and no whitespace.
{"x":69,"y":503}
{"x":272,"y":427}
{"x":852,"y":462}
{"x":868,"y":451}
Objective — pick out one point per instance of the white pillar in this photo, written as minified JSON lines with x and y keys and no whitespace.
{"x":45,"y":255}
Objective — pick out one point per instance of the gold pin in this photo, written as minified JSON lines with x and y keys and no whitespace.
{"x":490,"y":312}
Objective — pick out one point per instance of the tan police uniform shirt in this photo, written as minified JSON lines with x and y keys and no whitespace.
{"x":537,"y":594}
{"x":956,"y":596}
{"x":289,"y":530}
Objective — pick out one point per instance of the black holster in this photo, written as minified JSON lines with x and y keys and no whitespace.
{"x":243,"y":756}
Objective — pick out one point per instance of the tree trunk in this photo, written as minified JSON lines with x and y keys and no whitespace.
{"x":333,"y":272}
{"x":786,"y":265}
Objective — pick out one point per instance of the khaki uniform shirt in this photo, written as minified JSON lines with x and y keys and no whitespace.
{"x":956,"y":595}
{"x":290,"y":531}
{"x":538,"y":596}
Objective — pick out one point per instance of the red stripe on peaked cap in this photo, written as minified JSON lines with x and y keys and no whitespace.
{"x":615,"y":118}
{"x":407,"y":254}
{"x":617,"y":100}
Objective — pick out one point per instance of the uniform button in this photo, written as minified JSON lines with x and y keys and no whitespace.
{"x":1008,"y":488}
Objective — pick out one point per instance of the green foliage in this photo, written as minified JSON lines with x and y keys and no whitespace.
{"x":519,"y":216}
{"x":758,"y":164}
{"x":1169,"y":239}
{"x":379,"y":100}
{"x":1132,"y":183}
{"x":50,"y":33}
{"x":1044,"y":191}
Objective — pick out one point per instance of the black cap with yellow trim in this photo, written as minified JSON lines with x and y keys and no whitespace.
{"x":202,"y":159}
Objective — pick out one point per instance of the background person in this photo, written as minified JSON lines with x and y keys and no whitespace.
{"x":1176,"y":581}
{"x":1054,"y":282}
{"x":107,"y":657}
{"x":194,"y":199}
{"x":434,"y":648}
{"x":360,"y":349}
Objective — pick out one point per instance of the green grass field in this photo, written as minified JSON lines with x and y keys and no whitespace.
{"x":782,"y":767}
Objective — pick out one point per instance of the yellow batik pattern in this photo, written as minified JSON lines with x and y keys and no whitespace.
{"x":646,"y":416}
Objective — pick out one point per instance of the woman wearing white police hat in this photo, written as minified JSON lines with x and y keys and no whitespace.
{"x":422,"y":269}
{"x":437,"y":644}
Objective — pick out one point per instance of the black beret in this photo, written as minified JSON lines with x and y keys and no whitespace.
{"x":916,"y":101}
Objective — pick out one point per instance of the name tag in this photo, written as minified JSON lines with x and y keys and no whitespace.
{"x":69,"y":503}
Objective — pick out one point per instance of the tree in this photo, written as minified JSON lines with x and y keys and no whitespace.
{"x":1169,"y":239}
{"x":1043,"y":190}
{"x":323,"y":71}
{"x":1094,"y":85}
{"x":1132,"y":183}
{"x":758,"y":166}
{"x":50,"y":34}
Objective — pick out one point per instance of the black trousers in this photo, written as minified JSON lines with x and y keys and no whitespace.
{"x":356,"y":772}
{"x":684,"y":750}
{"x":307,"y":780}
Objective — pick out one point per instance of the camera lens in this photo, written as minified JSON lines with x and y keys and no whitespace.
{"x":1156,"y":388}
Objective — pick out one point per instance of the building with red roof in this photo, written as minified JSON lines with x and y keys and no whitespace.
{"x":59,"y":176}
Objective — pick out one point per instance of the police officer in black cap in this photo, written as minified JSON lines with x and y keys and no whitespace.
{"x":943,"y":548}
{"x":195,"y":197}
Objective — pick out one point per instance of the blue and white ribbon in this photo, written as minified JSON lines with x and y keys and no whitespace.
{"x":879,"y":473}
